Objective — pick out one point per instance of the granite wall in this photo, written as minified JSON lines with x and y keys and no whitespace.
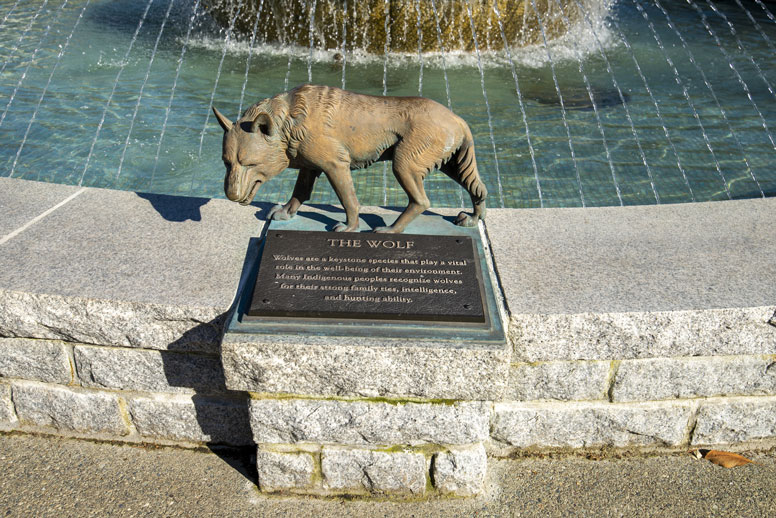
{"x":641,"y":327}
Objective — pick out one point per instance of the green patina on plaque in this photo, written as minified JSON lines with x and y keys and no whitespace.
{"x":421,"y":320}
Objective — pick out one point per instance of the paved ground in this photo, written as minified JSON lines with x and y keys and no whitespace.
{"x":45,"y":476}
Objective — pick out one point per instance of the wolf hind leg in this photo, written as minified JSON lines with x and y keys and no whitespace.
{"x":470,"y":220}
{"x":462,"y":168}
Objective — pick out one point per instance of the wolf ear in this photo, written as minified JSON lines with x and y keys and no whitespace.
{"x":263,"y":123}
{"x":225,"y":123}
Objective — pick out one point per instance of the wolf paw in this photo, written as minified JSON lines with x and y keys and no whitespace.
{"x":342,"y":227}
{"x":465,"y":220}
{"x":383,"y":230}
{"x":280,"y":213}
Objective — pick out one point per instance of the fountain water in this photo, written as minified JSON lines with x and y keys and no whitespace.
{"x":678,"y":79}
{"x":487,"y":106}
{"x":9,"y":13}
{"x":62,"y":50}
{"x":124,"y":63}
{"x":585,"y":102}
{"x":562,"y":106}
{"x":142,"y":87}
{"x":250,"y":55}
{"x":660,"y":118}
{"x":23,"y":35}
{"x":520,"y":102}
{"x":194,"y":15}
{"x":375,"y":19}
{"x":229,"y":32}
{"x":27,"y":68}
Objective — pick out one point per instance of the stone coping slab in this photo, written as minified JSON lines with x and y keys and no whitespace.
{"x":22,"y":201}
{"x":122,"y":268}
{"x":692,"y":256}
{"x":154,"y":271}
{"x":638,"y":282}
{"x":133,"y":247}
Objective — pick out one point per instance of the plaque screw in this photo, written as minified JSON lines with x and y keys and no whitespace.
{"x":458,"y":241}
{"x":278,"y":235}
{"x":265,"y":301}
{"x":467,"y":306}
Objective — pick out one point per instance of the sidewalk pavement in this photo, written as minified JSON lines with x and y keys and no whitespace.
{"x":58,"y":477}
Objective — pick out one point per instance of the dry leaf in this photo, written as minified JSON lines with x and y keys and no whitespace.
{"x":725,"y":459}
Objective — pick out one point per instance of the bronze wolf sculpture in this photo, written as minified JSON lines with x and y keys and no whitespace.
{"x":320,"y":129}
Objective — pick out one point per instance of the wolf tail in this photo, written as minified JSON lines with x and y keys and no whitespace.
{"x":468,"y":175}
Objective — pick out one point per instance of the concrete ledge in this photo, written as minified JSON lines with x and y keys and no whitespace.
{"x":460,"y":471}
{"x":122,"y":268}
{"x":167,"y":419}
{"x":278,"y":471}
{"x":638,"y":282}
{"x":628,"y":327}
{"x":367,"y":471}
{"x":22,"y":201}
{"x":191,"y":419}
{"x":396,"y":471}
{"x":110,"y":322}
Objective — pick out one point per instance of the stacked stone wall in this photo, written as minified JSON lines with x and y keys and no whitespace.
{"x":80,"y":357}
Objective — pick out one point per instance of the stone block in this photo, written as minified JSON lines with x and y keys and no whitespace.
{"x":111,"y":322}
{"x":67,"y":409}
{"x":373,"y":471}
{"x":612,"y":260}
{"x":126,"y":269}
{"x":288,"y":421}
{"x":459,"y":471}
{"x":150,"y":371}
{"x":283,"y":471}
{"x":37,"y":360}
{"x":24,"y":200}
{"x":580,"y":425}
{"x":681,"y":378}
{"x":648,"y":334}
{"x":735,"y":420}
{"x":353,"y":367}
{"x":636,"y":282}
{"x":191,"y":418}
{"x":7,"y":412}
{"x":558,"y":381}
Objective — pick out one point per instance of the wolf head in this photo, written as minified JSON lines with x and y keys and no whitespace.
{"x":253,"y":152}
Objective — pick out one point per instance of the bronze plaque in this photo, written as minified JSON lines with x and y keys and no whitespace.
{"x":333,"y":275}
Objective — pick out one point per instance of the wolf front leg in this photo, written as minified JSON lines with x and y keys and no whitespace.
{"x":302,"y":192}
{"x":342,"y":182}
{"x":411,"y":180}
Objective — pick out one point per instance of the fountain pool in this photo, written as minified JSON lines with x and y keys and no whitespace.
{"x":639,"y":102}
